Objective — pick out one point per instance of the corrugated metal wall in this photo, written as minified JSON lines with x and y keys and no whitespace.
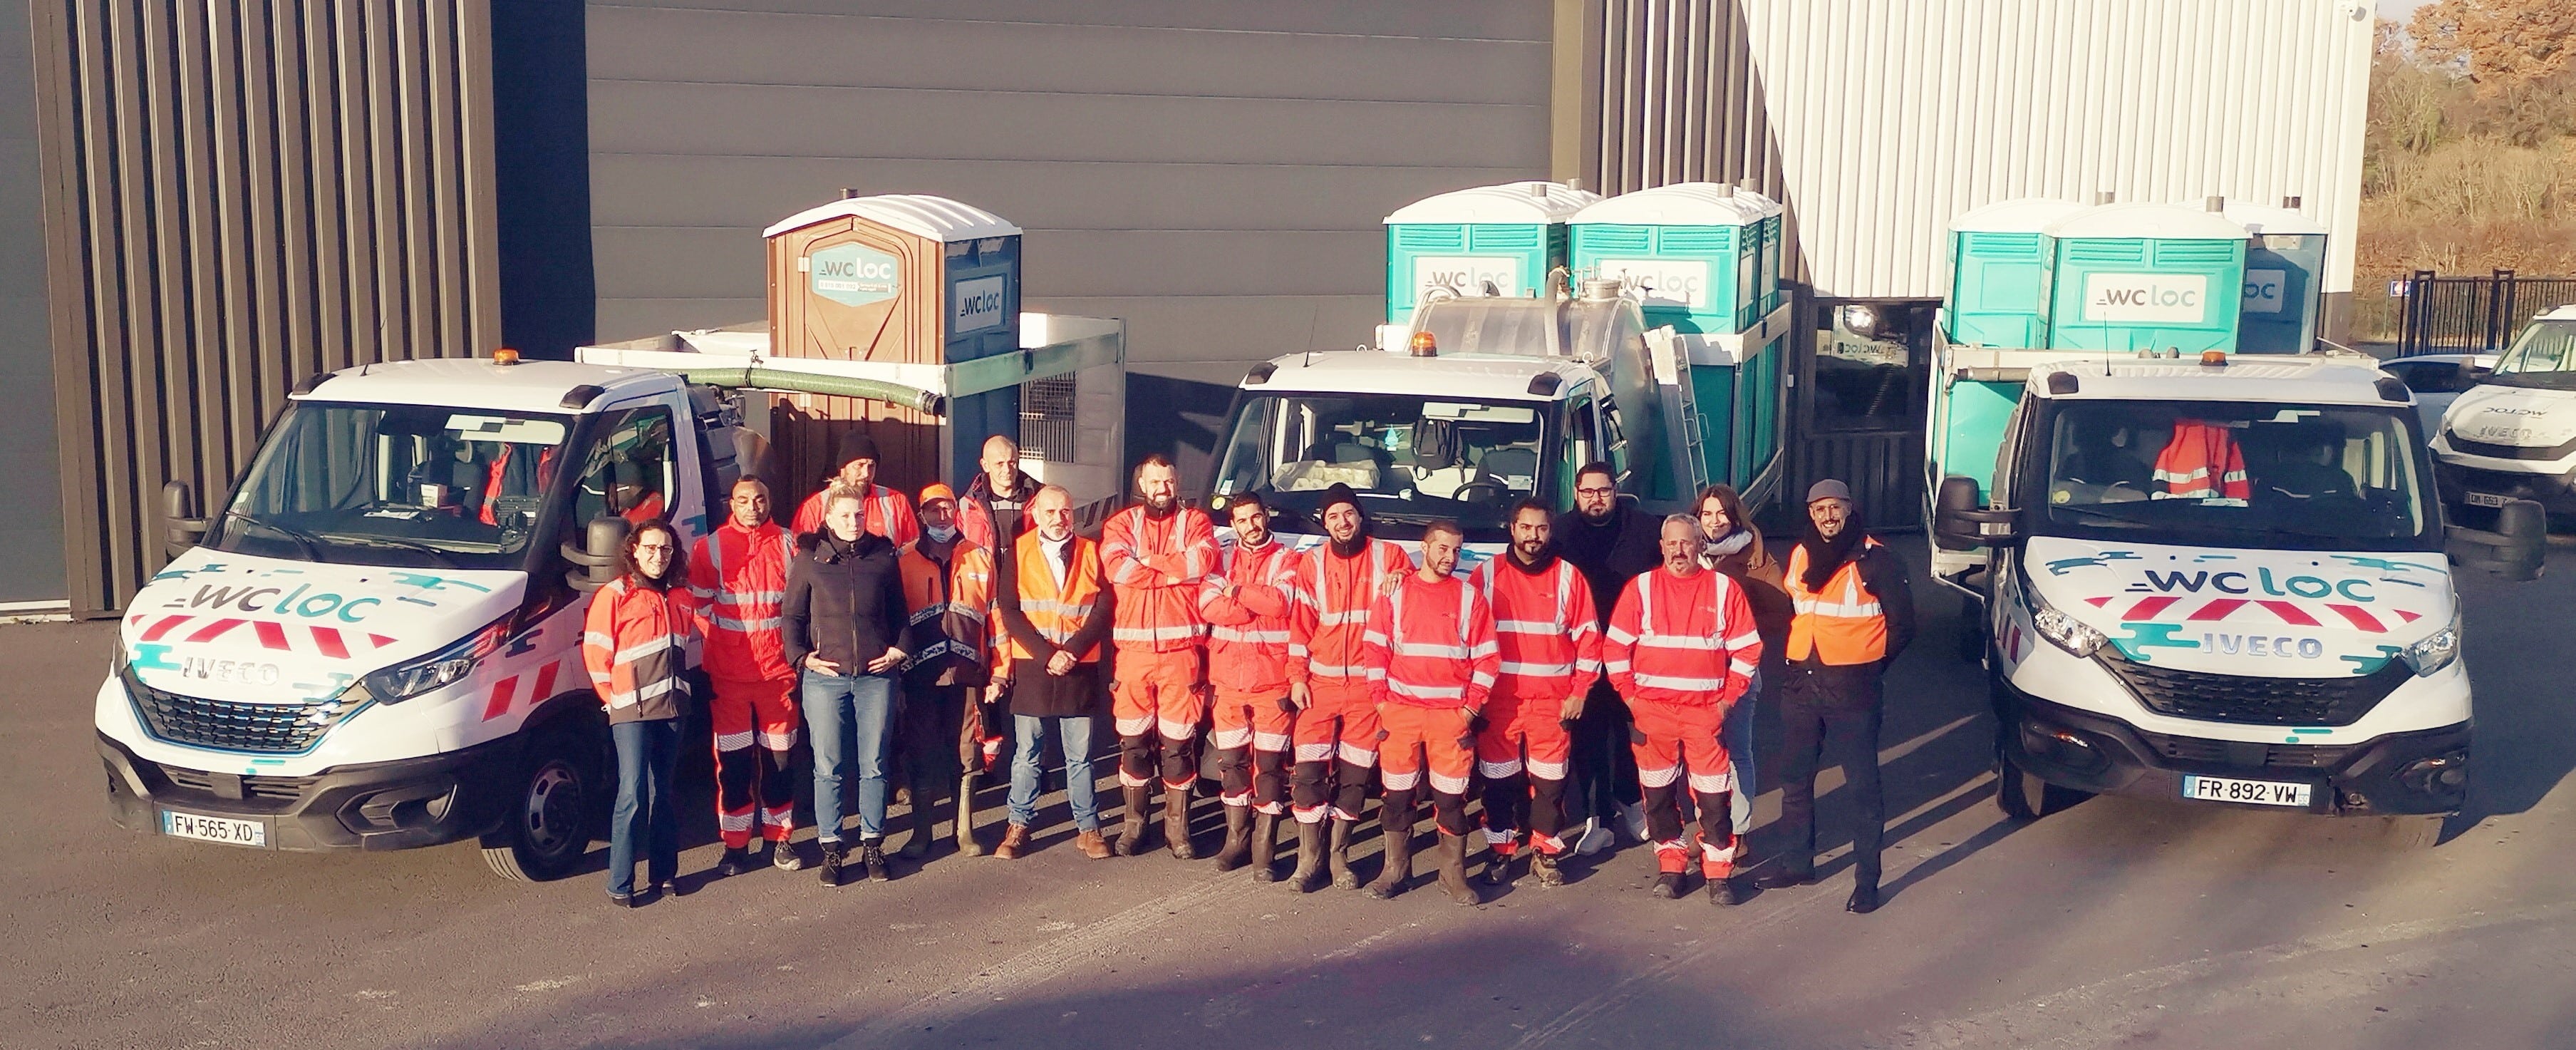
{"x":241,"y":193}
{"x":1214,"y":171}
{"x":1876,"y":121}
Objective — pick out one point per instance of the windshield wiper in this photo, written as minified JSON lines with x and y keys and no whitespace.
{"x":444,"y":558}
{"x":306,"y":541}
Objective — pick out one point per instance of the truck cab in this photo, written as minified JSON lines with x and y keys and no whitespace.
{"x":375,"y":641}
{"x":2512,"y":436}
{"x":2222,"y":581}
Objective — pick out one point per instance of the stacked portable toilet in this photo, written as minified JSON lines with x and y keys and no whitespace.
{"x":1999,"y":272}
{"x":902,"y":278}
{"x":1703,"y":258}
{"x":2285,"y":264}
{"x":2130,"y":277}
{"x":1484,"y":241}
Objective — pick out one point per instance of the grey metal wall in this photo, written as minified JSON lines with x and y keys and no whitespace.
{"x":31,"y":521}
{"x":1214,"y":171}
{"x":241,"y":193}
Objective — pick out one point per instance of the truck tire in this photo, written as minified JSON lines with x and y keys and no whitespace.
{"x":552,"y":809}
{"x":2026,"y":798}
{"x":2413,"y":833}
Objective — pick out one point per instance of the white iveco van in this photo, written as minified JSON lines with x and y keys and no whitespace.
{"x":2513,"y":435}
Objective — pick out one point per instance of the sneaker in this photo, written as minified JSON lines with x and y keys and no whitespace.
{"x":621,"y":900}
{"x":784,"y":857}
{"x":1594,"y":838}
{"x":1632,"y":819}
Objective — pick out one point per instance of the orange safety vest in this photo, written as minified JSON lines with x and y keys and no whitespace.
{"x":1842,"y":624}
{"x":966,"y":589}
{"x":635,"y":643}
{"x":1057,"y":612}
{"x":739,"y":576}
{"x":1157,"y":567}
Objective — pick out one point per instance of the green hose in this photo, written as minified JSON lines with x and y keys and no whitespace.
{"x":897,"y":394}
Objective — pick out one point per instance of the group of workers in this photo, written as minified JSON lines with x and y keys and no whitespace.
{"x":1604,"y":661}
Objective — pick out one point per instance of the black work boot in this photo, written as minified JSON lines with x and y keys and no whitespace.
{"x":917,"y":844}
{"x":1721,"y":890}
{"x":1339,"y":857}
{"x":1397,"y":830}
{"x":1796,"y":869}
{"x":872,"y":854}
{"x":734,"y":862}
{"x":1864,"y":898}
{"x":833,"y":855}
{"x":1309,"y":875}
{"x":1131,"y":827}
{"x":1453,"y":870}
{"x":1265,"y":846}
{"x":1176,"y":822}
{"x":1498,"y":863}
{"x":1238,"y":838}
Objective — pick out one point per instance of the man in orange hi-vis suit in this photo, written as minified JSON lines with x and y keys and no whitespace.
{"x":1156,"y":554}
{"x":1550,"y":637}
{"x":1337,"y":723}
{"x":1682,"y":648}
{"x":1431,"y":662}
{"x":738,"y":574}
{"x":1246,"y":606}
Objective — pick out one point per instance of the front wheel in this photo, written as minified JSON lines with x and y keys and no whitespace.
{"x":549,"y":824}
{"x":2025,"y":797}
{"x":2412,"y":833}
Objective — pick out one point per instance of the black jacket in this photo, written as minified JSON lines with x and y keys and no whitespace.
{"x":1610,"y":554}
{"x":844,"y":601}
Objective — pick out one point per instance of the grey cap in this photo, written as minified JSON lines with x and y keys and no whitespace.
{"x":1829,"y":489}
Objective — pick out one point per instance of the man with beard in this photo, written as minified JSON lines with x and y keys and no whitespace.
{"x":882,"y":510}
{"x":1337,"y":722}
{"x":1156,"y":554}
{"x":1246,"y":605}
{"x":1431,"y":663}
{"x":1853,"y":616}
{"x":1610,"y":543}
{"x":1550,"y":638}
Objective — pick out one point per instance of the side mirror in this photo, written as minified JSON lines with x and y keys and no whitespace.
{"x":181,"y":527}
{"x":601,"y":554}
{"x":1961,"y":521}
{"x":2517,"y":550}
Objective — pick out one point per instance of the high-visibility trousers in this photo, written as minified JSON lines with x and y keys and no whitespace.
{"x":1336,"y":741}
{"x":1157,"y":695}
{"x":1251,"y":733}
{"x":755,"y":728}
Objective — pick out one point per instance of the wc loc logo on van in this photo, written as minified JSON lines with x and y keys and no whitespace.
{"x":297,"y":602}
{"x":1470,"y":276}
{"x":854,"y":274}
{"x":2170,"y":298}
{"x":2236,"y":583}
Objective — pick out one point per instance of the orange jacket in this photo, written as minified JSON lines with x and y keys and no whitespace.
{"x":1840,"y":625}
{"x":739,"y":578}
{"x":635,"y":643}
{"x":950,"y":610}
{"x":1546,"y":625}
{"x":1248,"y":629}
{"x":886,"y":512}
{"x":1683,"y":640}
{"x":1156,"y":567}
{"x":1332,"y":596}
{"x":1057,"y":613}
{"x":2202,"y":462}
{"x":1432,"y":645}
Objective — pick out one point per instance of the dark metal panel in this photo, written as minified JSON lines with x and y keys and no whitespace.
{"x":31,"y":541}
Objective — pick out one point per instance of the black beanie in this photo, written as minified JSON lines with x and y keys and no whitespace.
{"x":857,"y":445}
{"x":1339,"y":493}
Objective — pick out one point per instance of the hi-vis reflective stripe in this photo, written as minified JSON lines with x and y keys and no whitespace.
{"x":1850,"y":606}
{"x":1050,"y":605}
{"x":632,"y":697}
{"x":1341,"y":619}
{"x":1401,"y":687}
{"x":1687,"y":642}
{"x":642,"y":649}
{"x":749,"y":597}
{"x":1153,"y":634}
{"x":1437,"y":652}
{"x":1540,"y":628}
{"x":1696,"y":685}
{"x":1514,"y":667}
{"x":765,"y":623}
{"x":1245,"y":634}
{"x":1337,"y":670}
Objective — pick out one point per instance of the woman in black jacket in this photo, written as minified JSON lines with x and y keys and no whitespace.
{"x":844,"y":619}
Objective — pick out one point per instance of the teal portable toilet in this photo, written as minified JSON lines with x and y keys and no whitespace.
{"x":1691,"y":253}
{"x":2285,"y":266}
{"x":2128,"y":277}
{"x":1998,"y":269}
{"x":1488,"y":240}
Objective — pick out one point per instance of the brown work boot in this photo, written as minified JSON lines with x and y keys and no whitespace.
{"x":1238,"y":839}
{"x":1092,"y":845}
{"x":1453,"y":870}
{"x":1014,"y":843}
{"x":1396,"y":828}
{"x":1176,"y":822}
{"x":1338,"y":858}
{"x":1131,"y":827}
{"x":1265,"y":847}
{"x":1309,"y":875}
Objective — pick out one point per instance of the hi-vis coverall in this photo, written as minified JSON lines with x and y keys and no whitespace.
{"x":739,"y":576}
{"x":1682,"y":649}
{"x":1155,"y":566}
{"x":1550,"y":637}
{"x":1336,"y":735}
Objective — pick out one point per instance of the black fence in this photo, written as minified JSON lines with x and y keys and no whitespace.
{"x":2474,"y":314}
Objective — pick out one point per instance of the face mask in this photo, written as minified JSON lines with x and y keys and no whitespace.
{"x":941,"y":534}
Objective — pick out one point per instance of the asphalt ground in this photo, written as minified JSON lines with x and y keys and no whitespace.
{"x":2118,"y":923}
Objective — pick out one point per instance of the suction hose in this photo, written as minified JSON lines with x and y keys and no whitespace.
{"x":897,"y":394}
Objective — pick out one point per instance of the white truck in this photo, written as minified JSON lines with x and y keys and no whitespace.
{"x":2513,"y":435}
{"x":1476,"y":404}
{"x":2215,"y":580}
{"x":373,"y":642}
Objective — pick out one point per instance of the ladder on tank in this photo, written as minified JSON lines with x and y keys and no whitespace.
{"x":1672,"y":371}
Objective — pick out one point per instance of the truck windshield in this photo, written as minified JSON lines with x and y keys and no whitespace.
{"x":2234,"y":474}
{"x":2544,"y":356}
{"x":1412,"y":458}
{"x":396,"y":485}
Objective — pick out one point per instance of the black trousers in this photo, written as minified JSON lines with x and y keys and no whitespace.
{"x":1605,"y":770}
{"x":1832,"y":714}
{"x":932,"y":719}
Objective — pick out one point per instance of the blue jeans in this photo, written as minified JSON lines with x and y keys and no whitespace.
{"x":647,"y":755}
{"x":1739,"y":750}
{"x":848,"y":716}
{"x":1075,"y":734}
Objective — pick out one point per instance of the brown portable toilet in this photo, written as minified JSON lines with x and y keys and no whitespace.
{"x":899,"y":279}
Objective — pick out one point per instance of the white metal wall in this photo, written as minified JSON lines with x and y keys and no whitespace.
{"x":1876,"y":121}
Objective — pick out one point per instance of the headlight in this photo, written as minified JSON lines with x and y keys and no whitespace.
{"x":117,"y":657}
{"x":404,"y":681}
{"x":2434,"y":651}
{"x":2066,"y":632}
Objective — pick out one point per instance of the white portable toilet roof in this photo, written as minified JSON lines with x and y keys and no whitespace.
{"x":2260,"y":219}
{"x":2018,"y":215}
{"x":920,"y":214}
{"x":2167,"y":222}
{"x":1683,"y":204}
{"x":1534,"y":200}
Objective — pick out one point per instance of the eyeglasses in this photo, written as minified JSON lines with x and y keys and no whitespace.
{"x":1594,"y":492}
